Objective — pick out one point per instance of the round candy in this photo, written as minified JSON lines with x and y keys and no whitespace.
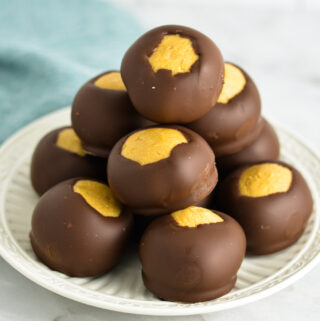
{"x":59,"y":156}
{"x":265,"y":147}
{"x":271,"y":201}
{"x":79,"y":228}
{"x":191,"y":255}
{"x":102,"y":113}
{"x":234,"y":122}
{"x":161,"y":169}
{"x":173,"y":74}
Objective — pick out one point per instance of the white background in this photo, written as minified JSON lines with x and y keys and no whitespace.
{"x":278,"y":44}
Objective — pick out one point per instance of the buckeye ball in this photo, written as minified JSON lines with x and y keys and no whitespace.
{"x":271,"y":201}
{"x":102,"y":113}
{"x":79,"y":228}
{"x":192,"y":255}
{"x":59,"y":156}
{"x":234,"y":122}
{"x":161,"y":169}
{"x":173,"y":74}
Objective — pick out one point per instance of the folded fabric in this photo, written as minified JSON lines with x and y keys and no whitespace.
{"x":49,"y":48}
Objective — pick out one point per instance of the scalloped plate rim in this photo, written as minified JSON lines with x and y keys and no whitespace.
{"x":155,"y":307}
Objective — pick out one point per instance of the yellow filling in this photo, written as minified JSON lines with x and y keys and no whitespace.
{"x":111,"y":81}
{"x":69,"y":140}
{"x":99,"y":196}
{"x":265,"y":179}
{"x":151,"y":145}
{"x":174,"y":53}
{"x":234,"y":82}
{"x":194,"y":216}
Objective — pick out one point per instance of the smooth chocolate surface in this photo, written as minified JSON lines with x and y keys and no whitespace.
{"x":166,"y":98}
{"x":191,"y":264}
{"x":265,"y":147}
{"x":101,"y":117}
{"x":272,"y":222}
{"x":186,"y":177}
{"x":70,"y":236}
{"x":51,"y":164}
{"x":230,"y":127}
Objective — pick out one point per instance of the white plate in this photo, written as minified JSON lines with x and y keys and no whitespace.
{"x":122,"y":289}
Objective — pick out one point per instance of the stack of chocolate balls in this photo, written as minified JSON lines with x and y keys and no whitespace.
{"x":142,"y":158}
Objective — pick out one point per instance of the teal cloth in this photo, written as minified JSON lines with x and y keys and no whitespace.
{"x":49,"y":48}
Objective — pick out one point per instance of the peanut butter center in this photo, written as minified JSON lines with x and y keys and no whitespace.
{"x":174,"y":53}
{"x":265,"y":179}
{"x":234,"y":82}
{"x":99,"y":196}
{"x":152,"y":145}
{"x":194,"y":216}
{"x":112,"y":81}
{"x":68,"y":140}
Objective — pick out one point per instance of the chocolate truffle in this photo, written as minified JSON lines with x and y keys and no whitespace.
{"x":161,"y":169}
{"x":102,"y":113}
{"x":59,"y":156}
{"x":192,"y":255}
{"x":271,"y":201}
{"x":265,"y":147}
{"x":173,"y":74}
{"x":234,"y":122}
{"x":79,"y":228}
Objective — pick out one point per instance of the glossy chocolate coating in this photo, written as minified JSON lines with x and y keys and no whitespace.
{"x":70,"y":236}
{"x":141,"y":222}
{"x":265,"y":147}
{"x":191,"y":264}
{"x":101,"y":117}
{"x":51,"y":164}
{"x":164,"y":98}
{"x":272,"y":222}
{"x":186,"y":177}
{"x":230,"y":127}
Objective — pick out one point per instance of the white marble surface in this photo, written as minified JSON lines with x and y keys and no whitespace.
{"x":277,"y":42}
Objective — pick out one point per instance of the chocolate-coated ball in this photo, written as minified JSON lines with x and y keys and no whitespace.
{"x":234,"y":122}
{"x":271,"y":201}
{"x":79,"y":228}
{"x":173,"y":74}
{"x":102,"y":113}
{"x":59,"y":156}
{"x":160,"y":169}
{"x":192,"y":255}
